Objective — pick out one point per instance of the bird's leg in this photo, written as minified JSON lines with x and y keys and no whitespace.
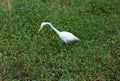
{"x":63,"y":43}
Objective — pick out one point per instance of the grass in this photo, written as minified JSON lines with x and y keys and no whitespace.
{"x":27,"y":55}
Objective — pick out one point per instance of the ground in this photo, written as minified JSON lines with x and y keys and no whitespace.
{"x":26,"y":54}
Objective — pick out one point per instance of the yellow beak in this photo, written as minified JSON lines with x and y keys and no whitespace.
{"x":41,"y":27}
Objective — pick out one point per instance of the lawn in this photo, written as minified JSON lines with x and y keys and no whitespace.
{"x":26,"y":55}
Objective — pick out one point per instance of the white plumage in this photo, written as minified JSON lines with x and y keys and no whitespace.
{"x":65,"y":36}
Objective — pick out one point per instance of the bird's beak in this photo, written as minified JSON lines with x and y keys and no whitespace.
{"x":41,"y":27}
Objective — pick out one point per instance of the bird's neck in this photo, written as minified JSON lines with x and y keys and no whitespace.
{"x":54,"y":28}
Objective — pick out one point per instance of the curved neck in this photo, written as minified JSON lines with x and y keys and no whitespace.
{"x":54,"y":28}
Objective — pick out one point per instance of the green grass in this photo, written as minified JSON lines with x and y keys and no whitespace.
{"x":27,"y":55}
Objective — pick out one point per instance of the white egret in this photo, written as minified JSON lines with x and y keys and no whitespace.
{"x":65,"y":36}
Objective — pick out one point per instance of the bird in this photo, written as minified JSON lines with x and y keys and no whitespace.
{"x":66,"y":37}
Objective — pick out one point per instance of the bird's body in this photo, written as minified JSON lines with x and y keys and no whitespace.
{"x":65,"y":36}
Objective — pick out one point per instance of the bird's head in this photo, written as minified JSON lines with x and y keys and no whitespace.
{"x":42,"y":25}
